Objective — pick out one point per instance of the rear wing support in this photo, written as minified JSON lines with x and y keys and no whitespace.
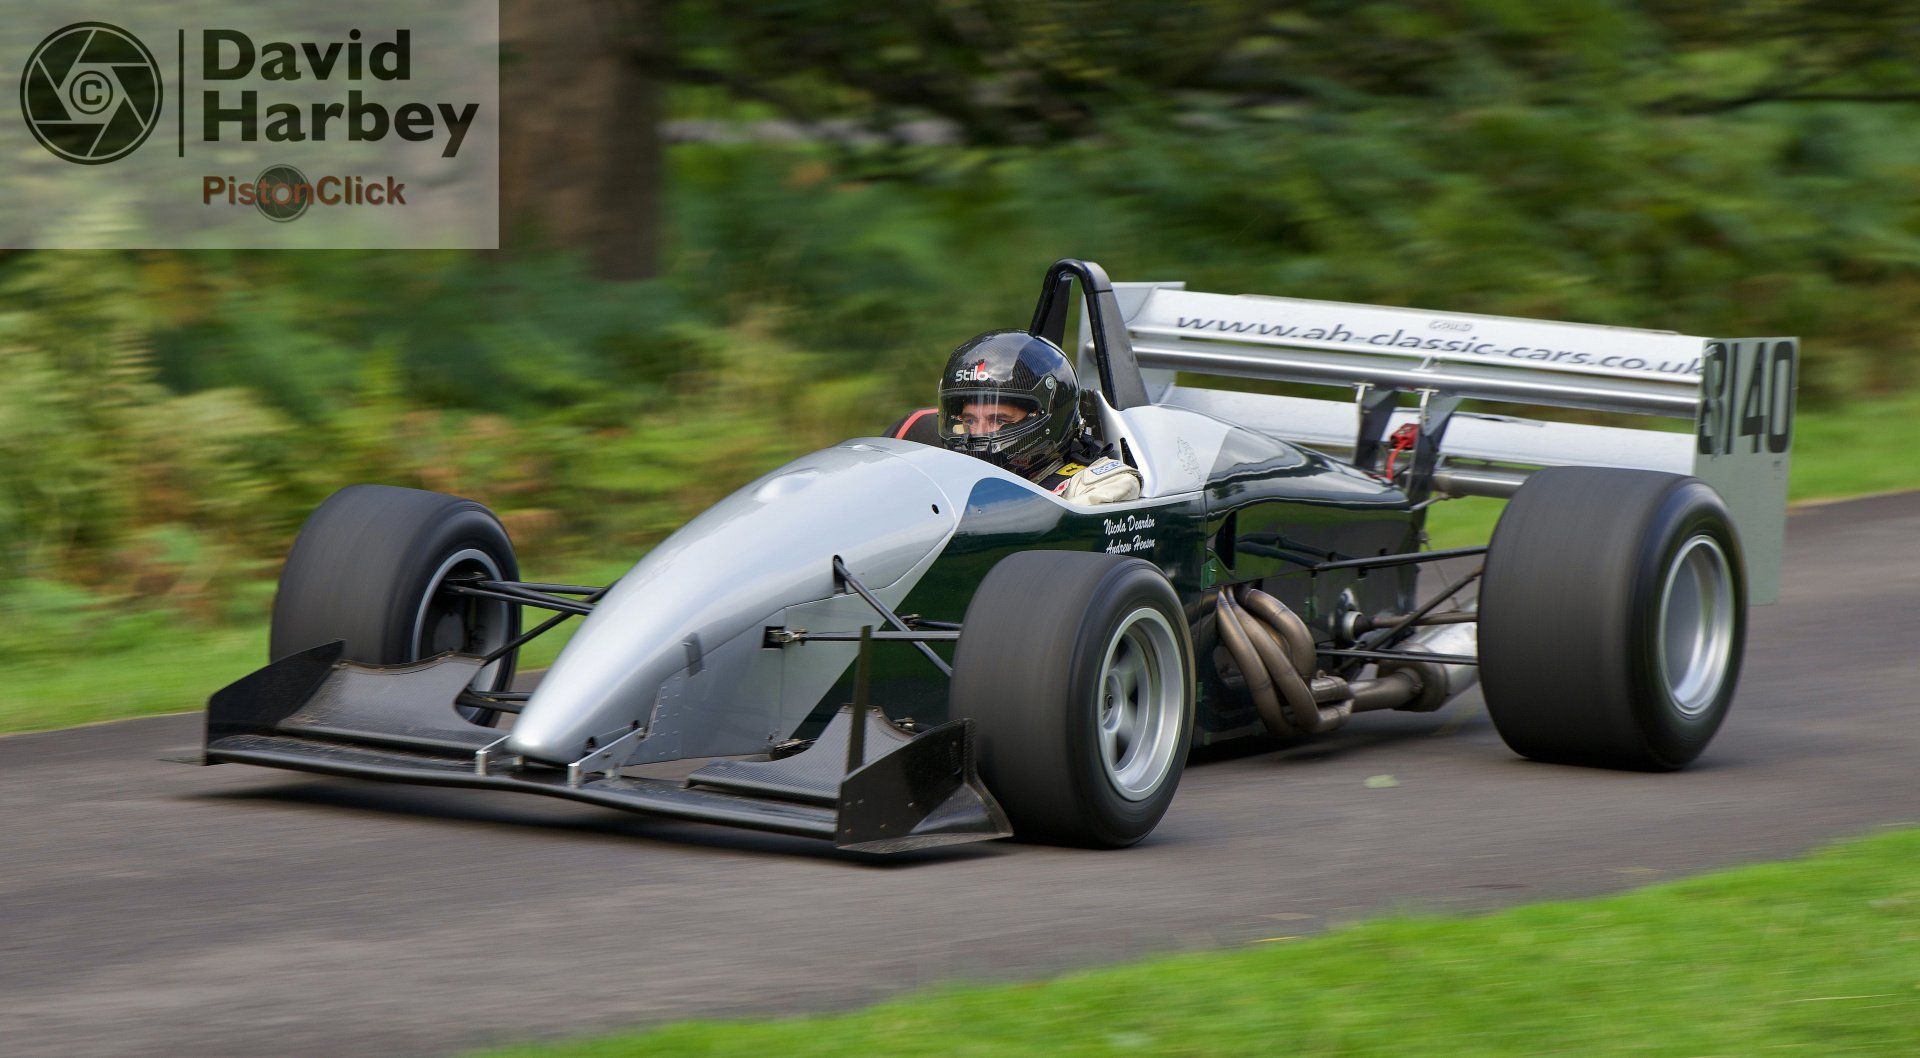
{"x":1737,"y":394}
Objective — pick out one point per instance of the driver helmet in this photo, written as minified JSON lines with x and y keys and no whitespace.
{"x":1010,"y":398}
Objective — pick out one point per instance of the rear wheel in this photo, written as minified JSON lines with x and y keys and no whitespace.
{"x":370,"y":567}
{"x":1077,"y":672}
{"x":1612,"y":618}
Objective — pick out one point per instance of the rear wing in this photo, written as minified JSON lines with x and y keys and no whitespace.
{"x":1738,"y":394}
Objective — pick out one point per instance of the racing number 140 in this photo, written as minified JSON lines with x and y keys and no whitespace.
{"x":1746,"y":392}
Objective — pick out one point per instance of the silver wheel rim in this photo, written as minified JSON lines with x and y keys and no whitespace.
{"x":491,"y":616}
{"x":1139,"y":711}
{"x":1696,"y":625}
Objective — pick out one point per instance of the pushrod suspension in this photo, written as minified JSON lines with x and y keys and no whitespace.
{"x":545,"y":626}
{"x":507,"y":592}
{"x":1400,"y":655}
{"x":1407,"y":559}
{"x":845,"y":576}
{"x":1399,"y":628}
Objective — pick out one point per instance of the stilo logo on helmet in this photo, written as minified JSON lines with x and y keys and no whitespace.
{"x":976,"y":373}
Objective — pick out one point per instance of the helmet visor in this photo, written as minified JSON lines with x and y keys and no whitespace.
{"x":985,"y":419}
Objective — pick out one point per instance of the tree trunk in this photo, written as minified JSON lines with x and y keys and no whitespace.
{"x":581,"y":154}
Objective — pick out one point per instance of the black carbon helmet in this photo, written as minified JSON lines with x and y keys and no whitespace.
{"x":1018,"y":368}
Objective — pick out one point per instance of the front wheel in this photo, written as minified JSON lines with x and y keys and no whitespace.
{"x":1612,"y":618}
{"x":370,"y":567}
{"x":1077,"y":672}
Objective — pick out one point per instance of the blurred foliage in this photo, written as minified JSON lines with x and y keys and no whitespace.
{"x":1025,"y":73}
{"x":1746,"y":169}
{"x":168,"y":421}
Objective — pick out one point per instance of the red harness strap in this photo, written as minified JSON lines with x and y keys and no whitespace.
{"x":901,"y":433}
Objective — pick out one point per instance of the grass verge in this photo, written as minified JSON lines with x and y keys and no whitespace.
{"x":151,"y":663}
{"x":1818,"y":956}
{"x":173,"y":671}
{"x":162,"y":667}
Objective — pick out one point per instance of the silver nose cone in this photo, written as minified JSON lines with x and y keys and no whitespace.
{"x":698,"y":603}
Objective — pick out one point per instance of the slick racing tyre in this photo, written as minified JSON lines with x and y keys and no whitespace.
{"x":369,"y":567}
{"x":1612,"y":618}
{"x":1077,"y":672}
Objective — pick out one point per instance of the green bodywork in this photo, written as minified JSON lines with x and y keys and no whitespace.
{"x":1269,"y":511}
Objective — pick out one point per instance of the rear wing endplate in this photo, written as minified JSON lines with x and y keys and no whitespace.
{"x":1738,"y":394}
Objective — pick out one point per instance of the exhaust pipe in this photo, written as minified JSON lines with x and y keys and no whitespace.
{"x":1440,"y":683}
{"x":1276,"y":655}
{"x":1286,"y":703}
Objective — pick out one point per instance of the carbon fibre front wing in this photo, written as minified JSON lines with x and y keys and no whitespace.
{"x":315,"y":712}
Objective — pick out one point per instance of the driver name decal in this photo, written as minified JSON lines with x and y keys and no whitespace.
{"x":1123,"y":534}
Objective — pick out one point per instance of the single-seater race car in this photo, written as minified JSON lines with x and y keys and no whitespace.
{"x":890,"y":645}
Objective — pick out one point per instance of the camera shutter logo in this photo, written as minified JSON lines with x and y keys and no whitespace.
{"x":91,"y":93}
{"x":282,"y":193}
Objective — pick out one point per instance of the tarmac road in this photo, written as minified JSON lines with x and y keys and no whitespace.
{"x":148,"y":907}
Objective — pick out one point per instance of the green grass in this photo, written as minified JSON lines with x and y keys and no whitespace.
{"x":1819,"y":956}
{"x":1463,"y":522}
{"x":170,"y":673}
{"x":160,"y":666}
{"x":147,"y":664}
{"x":173,"y":671}
{"x":1863,"y":448}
